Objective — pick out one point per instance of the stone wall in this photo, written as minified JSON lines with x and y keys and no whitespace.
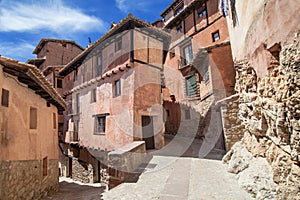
{"x":124,"y":162}
{"x":233,"y":129}
{"x":269,"y":112}
{"x":25,"y":180}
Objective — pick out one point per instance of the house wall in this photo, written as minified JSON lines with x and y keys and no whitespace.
{"x":217,"y":60}
{"x":57,"y":54}
{"x":23,"y":149}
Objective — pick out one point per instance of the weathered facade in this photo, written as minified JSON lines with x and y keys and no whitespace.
{"x":265,"y":44}
{"x":52,"y":55}
{"x":114,"y":94}
{"x":29,"y":130}
{"x":198,"y":69}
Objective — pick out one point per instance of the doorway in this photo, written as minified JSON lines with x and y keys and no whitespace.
{"x":148,"y":132}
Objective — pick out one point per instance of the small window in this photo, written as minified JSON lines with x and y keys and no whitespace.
{"x":172,"y":53}
{"x":188,"y":54}
{"x":191,"y":86}
{"x":59,"y":83}
{"x":99,"y":65}
{"x":93,"y":95}
{"x":45,"y":166}
{"x":168,"y":113}
{"x":215,"y":36}
{"x":118,"y":44}
{"x":206,"y":77}
{"x":187,"y":114}
{"x":33,"y":118}
{"x":179,"y":29}
{"x":5,"y":98}
{"x":54,"y":120}
{"x":77,"y":103}
{"x":117,"y":88}
{"x":201,"y":12}
{"x":179,"y":10}
{"x":100,"y":122}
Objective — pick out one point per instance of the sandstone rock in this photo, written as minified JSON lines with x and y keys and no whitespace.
{"x":257,"y":179}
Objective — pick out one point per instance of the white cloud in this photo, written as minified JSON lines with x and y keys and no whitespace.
{"x":127,"y":6}
{"x":47,"y":15}
{"x":19,"y":51}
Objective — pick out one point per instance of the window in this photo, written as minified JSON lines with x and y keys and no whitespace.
{"x":118,"y":44}
{"x":99,"y":65}
{"x":187,"y":114}
{"x":45,"y":166}
{"x":94,"y":95}
{"x":54,"y":120}
{"x":172,"y":53}
{"x":179,"y":10}
{"x":77,"y":103}
{"x":191,"y":86}
{"x":206,"y":77}
{"x":5,"y":97}
{"x":33,"y":118}
{"x":188,"y":54}
{"x":215,"y":36}
{"x":100,"y":122}
{"x":201,"y":12}
{"x":179,"y":29}
{"x":117,"y":88}
{"x":59,"y":83}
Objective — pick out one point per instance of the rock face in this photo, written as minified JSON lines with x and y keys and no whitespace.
{"x":269,"y":114}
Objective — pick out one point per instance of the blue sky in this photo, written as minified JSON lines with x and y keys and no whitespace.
{"x":24,"y":22}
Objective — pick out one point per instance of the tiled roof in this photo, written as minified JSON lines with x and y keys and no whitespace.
{"x":33,"y":77}
{"x":110,"y":33}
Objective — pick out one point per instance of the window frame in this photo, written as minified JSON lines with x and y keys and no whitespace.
{"x":117,"y":88}
{"x":201,"y":12}
{"x":33,"y":118}
{"x":100,"y":121}
{"x":77,"y":103}
{"x":94,"y":95}
{"x":190,"y":54}
{"x":214,"y":38}
{"x":195,"y":91}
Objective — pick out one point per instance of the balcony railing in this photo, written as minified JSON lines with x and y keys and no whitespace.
{"x":182,"y":63}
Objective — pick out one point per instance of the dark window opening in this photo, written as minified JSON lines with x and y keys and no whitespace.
{"x":94,"y":95}
{"x":100,"y":122}
{"x":179,"y":29}
{"x":117,"y":88}
{"x":48,"y":104}
{"x":54,"y":120}
{"x":45,"y":166}
{"x":172,"y":53}
{"x":215,"y":36}
{"x":33,"y":118}
{"x":5,"y":98}
{"x":59,"y":83}
{"x":77,"y":103}
{"x":118,"y":44}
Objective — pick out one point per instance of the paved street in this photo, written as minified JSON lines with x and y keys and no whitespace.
{"x":72,"y":190}
{"x":180,"y":179}
{"x":180,"y":171}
